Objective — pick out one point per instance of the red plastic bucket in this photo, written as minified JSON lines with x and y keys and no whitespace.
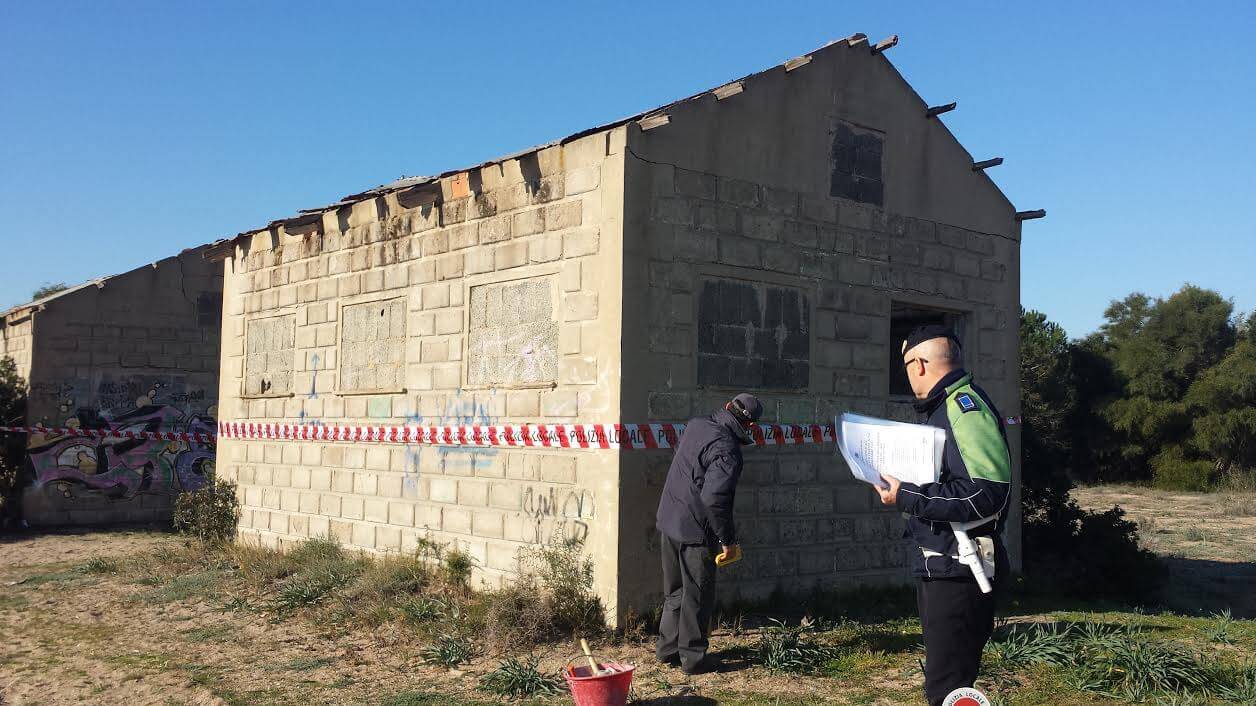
{"x":606,"y":689}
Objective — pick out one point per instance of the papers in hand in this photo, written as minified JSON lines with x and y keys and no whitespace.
{"x":910,"y":452}
{"x":876,"y":447}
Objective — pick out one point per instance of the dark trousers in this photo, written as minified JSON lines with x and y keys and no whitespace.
{"x":957,"y":619}
{"x":688,"y":601}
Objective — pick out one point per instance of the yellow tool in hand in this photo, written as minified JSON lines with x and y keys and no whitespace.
{"x":730,"y":555}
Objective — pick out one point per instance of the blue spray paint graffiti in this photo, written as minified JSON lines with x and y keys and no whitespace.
{"x":314,"y":377}
{"x":459,"y":409}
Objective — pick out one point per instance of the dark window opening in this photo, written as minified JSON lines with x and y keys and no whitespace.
{"x":753,"y":335}
{"x":209,"y":309}
{"x":904,"y":318}
{"x":856,"y":164}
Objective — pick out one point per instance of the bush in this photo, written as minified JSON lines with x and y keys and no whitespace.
{"x":1119,"y":662}
{"x":12,"y":446}
{"x":789,"y":649}
{"x":516,"y":678}
{"x":553,"y":599}
{"x":449,"y":651}
{"x":419,"y":610}
{"x":458,"y":565}
{"x":1093,"y":555}
{"x":567,"y":577}
{"x":314,"y":571}
{"x":211,"y":514}
{"x":1171,"y":470}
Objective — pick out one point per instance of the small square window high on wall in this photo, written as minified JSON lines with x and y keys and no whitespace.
{"x":855,"y":164}
{"x":904,"y":318}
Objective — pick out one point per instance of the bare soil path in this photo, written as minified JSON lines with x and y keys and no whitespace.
{"x":1207,"y":541}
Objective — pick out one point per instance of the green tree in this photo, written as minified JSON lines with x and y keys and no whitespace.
{"x":1158,"y":348}
{"x":1048,"y":403}
{"x":12,"y":446}
{"x":1096,"y":445}
{"x":1222,"y":403}
{"x":1247,"y":330}
{"x":1069,"y":550}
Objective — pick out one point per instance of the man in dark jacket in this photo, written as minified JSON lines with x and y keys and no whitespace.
{"x":975,"y":483}
{"x":695,"y":517}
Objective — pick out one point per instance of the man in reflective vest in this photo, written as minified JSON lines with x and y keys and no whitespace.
{"x":975,"y":483}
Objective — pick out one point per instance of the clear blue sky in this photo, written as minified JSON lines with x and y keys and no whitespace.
{"x":131,"y":130}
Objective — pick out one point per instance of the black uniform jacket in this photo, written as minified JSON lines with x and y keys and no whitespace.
{"x":697,"y":502}
{"x":975,"y":481}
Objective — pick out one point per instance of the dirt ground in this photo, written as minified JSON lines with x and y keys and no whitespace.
{"x":74,"y":637}
{"x":71,"y":636}
{"x":1207,"y":541}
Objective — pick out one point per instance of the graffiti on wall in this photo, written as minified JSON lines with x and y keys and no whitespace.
{"x":459,"y":409}
{"x":119,"y":467}
{"x":558,"y":516}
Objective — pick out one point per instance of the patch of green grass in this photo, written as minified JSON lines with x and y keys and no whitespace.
{"x":1137,"y":661}
{"x":859,"y":665}
{"x":203,"y":674}
{"x":449,"y":650}
{"x":237,"y":604}
{"x":52,"y":577}
{"x":149,"y":661}
{"x":99,"y":565}
{"x":182,"y":588}
{"x":515,"y":678}
{"x":308,"y":588}
{"x":793,"y":650}
{"x":421,"y":609}
{"x":1220,"y":630}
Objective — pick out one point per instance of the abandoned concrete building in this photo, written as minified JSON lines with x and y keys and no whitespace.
{"x":778,"y":234}
{"x":132,"y":352}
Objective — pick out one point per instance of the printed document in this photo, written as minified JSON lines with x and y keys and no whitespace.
{"x":876,"y":447}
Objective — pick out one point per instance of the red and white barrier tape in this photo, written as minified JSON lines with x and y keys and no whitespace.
{"x":566,"y":436}
{"x":112,"y":433}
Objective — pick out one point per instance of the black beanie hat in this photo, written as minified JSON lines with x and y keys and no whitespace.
{"x":927,"y":332}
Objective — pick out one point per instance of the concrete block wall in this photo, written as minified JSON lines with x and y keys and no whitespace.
{"x":394,"y":301}
{"x":821,"y":186}
{"x":803,"y":519}
{"x":15,"y":341}
{"x":138,"y":352}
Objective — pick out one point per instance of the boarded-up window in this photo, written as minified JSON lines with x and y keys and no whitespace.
{"x":373,"y":346}
{"x":753,"y":335}
{"x":856,"y":164}
{"x":513,"y":333}
{"x":270,"y":355}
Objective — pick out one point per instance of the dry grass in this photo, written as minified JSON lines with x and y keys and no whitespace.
{"x":142,"y":618}
{"x":1207,"y":540}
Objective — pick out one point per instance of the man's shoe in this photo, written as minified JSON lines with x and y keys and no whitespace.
{"x":706,"y":666}
{"x":672,"y":660}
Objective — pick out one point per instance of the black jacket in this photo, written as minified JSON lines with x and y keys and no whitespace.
{"x":975,"y":482}
{"x":697,"y":502}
